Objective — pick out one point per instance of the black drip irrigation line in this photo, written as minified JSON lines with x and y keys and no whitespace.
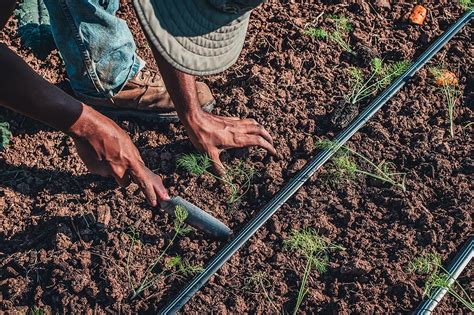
{"x":310,"y":168}
{"x":456,"y":267}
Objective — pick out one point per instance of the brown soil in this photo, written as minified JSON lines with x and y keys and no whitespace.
{"x":58,"y":252}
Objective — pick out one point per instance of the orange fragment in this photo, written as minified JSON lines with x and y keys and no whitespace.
{"x":446,"y":78}
{"x":418,"y":15}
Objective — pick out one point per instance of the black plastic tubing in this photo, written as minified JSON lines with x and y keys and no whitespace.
{"x":456,"y":267}
{"x":309,"y":169}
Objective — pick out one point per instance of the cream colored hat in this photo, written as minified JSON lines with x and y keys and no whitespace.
{"x":199,"y":37}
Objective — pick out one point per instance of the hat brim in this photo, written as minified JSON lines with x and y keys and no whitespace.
{"x":191,"y":35}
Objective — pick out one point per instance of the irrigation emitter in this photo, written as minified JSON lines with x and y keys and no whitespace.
{"x":309,"y":169}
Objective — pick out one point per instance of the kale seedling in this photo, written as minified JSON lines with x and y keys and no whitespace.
{"x":450,"y":88}
{"x":438,"y":277}
{"x":315,"y":249}
{"x":240,"y":175}
{"x":175,"y":266}
{"x":343,"y":166}
{"x":34,"y":27}
{"x":5,"y":135}
{"x":337,"y":34}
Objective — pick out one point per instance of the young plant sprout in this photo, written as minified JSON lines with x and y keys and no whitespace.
{"x":381,"y":76}
{"x":315,"y":249}
{"x":361,"y":88}
{"x":36,"y":311}
{"x":467,"y":126}
{"x":5,"y":135}
{"x":34,"y":29}
{"x":467,"y":4}
{"x":343,"y":166}
{"x":173,"y":267}
{"x":338,"y":34}
{"x":438,"y":277}
{"x":259,"y":281}
{"x":237,"y":177}
{"x":449,"y":85}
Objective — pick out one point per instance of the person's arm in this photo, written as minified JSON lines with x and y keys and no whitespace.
{"x":103,"y":146}
{"x":209,"y":133}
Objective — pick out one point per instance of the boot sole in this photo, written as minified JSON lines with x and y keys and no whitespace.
{"x":147,"y":116}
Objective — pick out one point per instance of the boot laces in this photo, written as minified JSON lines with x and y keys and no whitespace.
{"x":152,"y":76}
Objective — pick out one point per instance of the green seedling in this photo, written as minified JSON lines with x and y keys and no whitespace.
{"x":338,"y":34}
{"x":134,"y":237}
{"x":380,"y":77}
{"x":315,"y":249}
{"x":467,"y":126}
{"x":466,"y":4}
{"x":34,"y":27}
{"x":343,"y":166}
{"x":438,"y":277}
{"x":175,"y":266}
{"x":259,"y":282}
{"x":451,"y":92}
{"x":36,"y":311}
{"x":238,"y":178}
{"x":5,"y":135}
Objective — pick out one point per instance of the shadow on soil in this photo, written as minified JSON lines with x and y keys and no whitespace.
{"x":31,"y":180}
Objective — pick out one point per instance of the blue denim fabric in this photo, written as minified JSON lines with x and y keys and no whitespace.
{"x":97,"y":47}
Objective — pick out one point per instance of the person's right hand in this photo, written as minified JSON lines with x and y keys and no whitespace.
{"x":108,"y":151}
{"x":103,"y":146}
{"x":212,"y":134}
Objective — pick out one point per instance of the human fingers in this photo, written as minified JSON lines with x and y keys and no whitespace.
{"x":259,"y":131}
{"x":214,"y":154}
{"x":158,"y":186}
{"x":145,"y":182}
{"x":257,"y":140}
{"x":228,"y":118}
{"x":125,"y":180}
{"x":90,"y":159}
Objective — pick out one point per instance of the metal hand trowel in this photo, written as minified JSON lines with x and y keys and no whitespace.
{"x":198,"y":218}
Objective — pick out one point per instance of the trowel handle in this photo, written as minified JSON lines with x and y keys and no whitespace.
{"x":198,"y":218}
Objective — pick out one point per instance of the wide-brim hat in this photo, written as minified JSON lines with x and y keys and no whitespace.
{"x":199,"y":37}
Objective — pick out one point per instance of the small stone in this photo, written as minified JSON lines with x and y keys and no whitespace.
{"x":254,"y":70}
{"x":103,"y":215}
{"x":383,"y":4}
{"x":357,"y":267}
{"x":298,"y":165}
{"x":281,"y":288}
{"x":63,"y":236}
{"x":281,"y":93}
{"x":84,"y":259}
{"x":308,"y":145}
{"x":266,"y":70}
{"x":317,"y":296}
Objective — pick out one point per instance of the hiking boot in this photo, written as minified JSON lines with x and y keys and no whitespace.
{"x":145,"y":97}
